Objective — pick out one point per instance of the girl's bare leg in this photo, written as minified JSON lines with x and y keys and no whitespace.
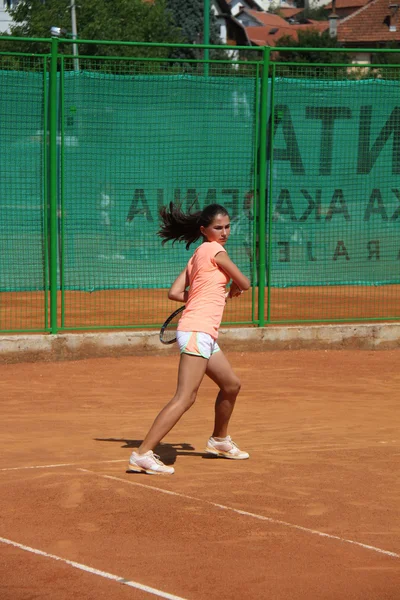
{"x":190,"y":375}
{"x":220,"y":371}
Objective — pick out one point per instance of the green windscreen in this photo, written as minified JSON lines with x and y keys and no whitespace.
{"x":128,"y":144}
{"x":21,"y":181}
{"x":335,"y":181}
{"x":23,"y":214}
{"x":133,"y":144}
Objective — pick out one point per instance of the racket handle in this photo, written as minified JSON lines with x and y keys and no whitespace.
{"x":227,"y":294}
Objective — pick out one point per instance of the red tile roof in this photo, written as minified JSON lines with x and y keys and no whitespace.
{"x":286,"y":13}
{"x":369,"y":24}
{"x":267,"y":18}
{"x":263,"y":36}
{"x":274,"y":27}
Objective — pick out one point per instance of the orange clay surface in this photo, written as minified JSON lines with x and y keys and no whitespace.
{"x":20,"y":311}
{"x":313,"y":515}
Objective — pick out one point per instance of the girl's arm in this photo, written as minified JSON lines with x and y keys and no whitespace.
{"x":178,"y":291}
{"x":222,"y":259}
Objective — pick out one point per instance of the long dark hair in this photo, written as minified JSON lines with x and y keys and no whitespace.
{"x":179,"y":226}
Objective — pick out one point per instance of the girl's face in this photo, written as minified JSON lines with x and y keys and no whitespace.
{"x":218,"y":231}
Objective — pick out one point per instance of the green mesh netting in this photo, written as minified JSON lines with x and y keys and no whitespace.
{"x":336,"y":186}
{"x":128,"y":144}
{"x":21,"y":181}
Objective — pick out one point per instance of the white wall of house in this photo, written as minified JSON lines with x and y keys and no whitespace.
{"x":222,"y":31}
{"x":5,"y":18}
{"x":361,"y":58}
{"x":266,"y":5}
{"x":237,"y":5}
{"x":316,"y":3}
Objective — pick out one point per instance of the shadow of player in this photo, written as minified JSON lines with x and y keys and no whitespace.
{"x":167,"y":452}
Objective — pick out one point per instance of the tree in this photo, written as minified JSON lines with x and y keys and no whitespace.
{"x":318,"y":13}
{"x":119,"y":20}
{"x":189,"y":18}
{"x":391,"y":58}
{"x":310,"y":38}
{"x":315,"y":13}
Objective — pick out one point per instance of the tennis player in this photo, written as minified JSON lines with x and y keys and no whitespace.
{"x":202,"y":287}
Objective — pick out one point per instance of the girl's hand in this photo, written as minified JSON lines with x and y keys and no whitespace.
{"x":234,"y":290}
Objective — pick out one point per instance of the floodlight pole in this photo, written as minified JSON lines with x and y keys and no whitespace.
{"x":206,"y":34}
{"x":74,"y":35}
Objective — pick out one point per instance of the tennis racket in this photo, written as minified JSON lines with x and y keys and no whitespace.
{"x":168,"y":329}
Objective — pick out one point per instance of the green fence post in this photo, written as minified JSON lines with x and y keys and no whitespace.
{"x":206,"y":34}
{"x":262,"y":188}
{"x":53,"y":184}
{"x":270,"y":187}
{"x":45,"y":174}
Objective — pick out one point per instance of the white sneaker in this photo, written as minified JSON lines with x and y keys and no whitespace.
{"x":225,"y":448}
{"x":148,"y":463}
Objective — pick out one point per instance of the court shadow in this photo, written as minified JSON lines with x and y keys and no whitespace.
{"x":167,"y":452}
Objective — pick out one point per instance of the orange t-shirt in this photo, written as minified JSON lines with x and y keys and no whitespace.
{"x":206,"y":301}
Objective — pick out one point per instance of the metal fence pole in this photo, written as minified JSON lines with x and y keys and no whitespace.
{"x":269,"y":198}
{"x":53,"y":184}
{"x":74,"y":35}
{"x":206,"y":34}
{"x":262,"y":189}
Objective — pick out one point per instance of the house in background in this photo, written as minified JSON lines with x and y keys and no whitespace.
{"x":235,"y":6}
{"x":230,"y":30}
{"x":361,"y":24}
{"x":262,"y":5}
{"x":265,"y":29}
{"x":374,"y":25}
{"x":273,"y":5}
{"x":344,"y":8}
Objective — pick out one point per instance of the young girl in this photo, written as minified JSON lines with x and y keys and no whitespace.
{"x":206,"y":275}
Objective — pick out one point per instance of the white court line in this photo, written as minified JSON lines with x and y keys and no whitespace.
{"x":302,"y":447}
{"x":59,"y":465}
{"x":249,"y":514}
{"x":99,"y":462}
{"x":76,"y":565}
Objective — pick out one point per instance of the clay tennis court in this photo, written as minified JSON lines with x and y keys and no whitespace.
{"x":312,"y":515}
